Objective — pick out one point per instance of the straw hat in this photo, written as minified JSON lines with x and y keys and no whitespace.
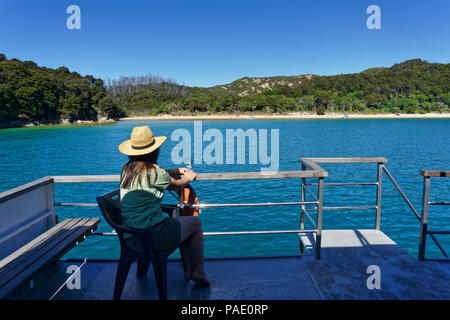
{"x":142,"y":142}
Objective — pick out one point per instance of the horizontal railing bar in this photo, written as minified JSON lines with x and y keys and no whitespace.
{"x":76,"y":205}
{"x":347,"y":160}
{"x":205,"y":176}
{"x":226,"y":233}
{"x":205,"y":205}
{"x":309,"y":217}
{"x":435,"y":173}
{"x":345,"y":208}
{"x":438,"y":231}
{"x":218,"y":205}
{"x":312,"y":166}
{"x":259,"y":175}
{"x":334,"y":184}
{"x":95,"y":205}
{"x":105,"y":234}
{"x":439,"y":203}
{"x":351,"y":208}
{"x":88,"y":178}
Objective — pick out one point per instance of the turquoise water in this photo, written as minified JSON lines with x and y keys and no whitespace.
{"x":27,"y":154}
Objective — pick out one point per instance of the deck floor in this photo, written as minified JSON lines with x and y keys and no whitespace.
{"x":346,"y":255}
{"x":340,"y":274}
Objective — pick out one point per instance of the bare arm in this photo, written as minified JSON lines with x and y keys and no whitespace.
{"x":187,"y":177}
{"x":175,"y":172}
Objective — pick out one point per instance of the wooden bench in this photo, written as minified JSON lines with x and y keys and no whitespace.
{"x":22,"y":264}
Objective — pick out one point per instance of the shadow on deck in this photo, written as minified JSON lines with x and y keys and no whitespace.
{"x":340,"y":274}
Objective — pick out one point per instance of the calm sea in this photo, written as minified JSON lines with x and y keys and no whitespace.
{"x":409,"y":145}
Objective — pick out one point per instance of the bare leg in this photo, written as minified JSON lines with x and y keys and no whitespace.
{"x":192,"y":241}
{"x":186,"y":258}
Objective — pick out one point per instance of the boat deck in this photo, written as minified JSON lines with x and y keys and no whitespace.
{"x":340,"y":274}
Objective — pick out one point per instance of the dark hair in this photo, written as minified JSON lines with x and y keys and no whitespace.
{"x":136,"y":165}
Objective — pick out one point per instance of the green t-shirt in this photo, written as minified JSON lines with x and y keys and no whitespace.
{"x":141,"y":204}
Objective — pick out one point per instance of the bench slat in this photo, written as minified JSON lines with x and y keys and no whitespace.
{"x":33,"y":243}
{"x":22,"y":258}
{"x":59,"y":248}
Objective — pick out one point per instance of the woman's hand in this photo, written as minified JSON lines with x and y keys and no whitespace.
{"x":183,"y":170}
{"x":177,"y":172}
{"x":190,"y":175}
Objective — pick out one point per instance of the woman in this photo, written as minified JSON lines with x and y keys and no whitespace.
{"x":142,"y":185}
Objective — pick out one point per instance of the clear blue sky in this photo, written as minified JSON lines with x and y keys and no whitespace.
{"x":211,"y":42}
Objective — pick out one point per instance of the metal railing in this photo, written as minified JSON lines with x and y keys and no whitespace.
{"x":306,"y":162}
{"x":314,"y":172}
{"x":310,"y":169}
{"x":312,"y":163}
{"x":414,"y":211}
{"x":424,"y":230}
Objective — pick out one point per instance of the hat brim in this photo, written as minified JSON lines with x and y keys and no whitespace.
{"x":127,"y":149}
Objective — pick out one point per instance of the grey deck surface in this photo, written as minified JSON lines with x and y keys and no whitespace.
{"x":346,"y":254}
{"x":279,"y":278}
{"x":340,"y":274}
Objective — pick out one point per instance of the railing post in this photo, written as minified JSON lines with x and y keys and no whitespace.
{"x":50,"y":198}
{"x":379,"y":184}
{"x":180,"y":203}
{"x":424,"y":217}
{"x":319,"y":217}
{"x":303,"y":207}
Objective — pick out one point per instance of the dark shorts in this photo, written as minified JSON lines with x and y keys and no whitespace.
{"x":164,"y":236}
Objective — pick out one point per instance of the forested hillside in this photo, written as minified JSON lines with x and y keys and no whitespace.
{"x":414,"y":86}
{"x":30,"y":92}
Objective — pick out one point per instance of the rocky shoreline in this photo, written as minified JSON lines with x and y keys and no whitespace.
{"x":28,"y":123}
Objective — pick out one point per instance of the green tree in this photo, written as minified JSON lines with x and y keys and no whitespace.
{"x":108,"y":108}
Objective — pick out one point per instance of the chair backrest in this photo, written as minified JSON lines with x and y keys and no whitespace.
{"x":110,"y":207}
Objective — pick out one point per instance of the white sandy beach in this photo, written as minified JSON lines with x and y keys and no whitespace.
{"x":291,"y":116}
